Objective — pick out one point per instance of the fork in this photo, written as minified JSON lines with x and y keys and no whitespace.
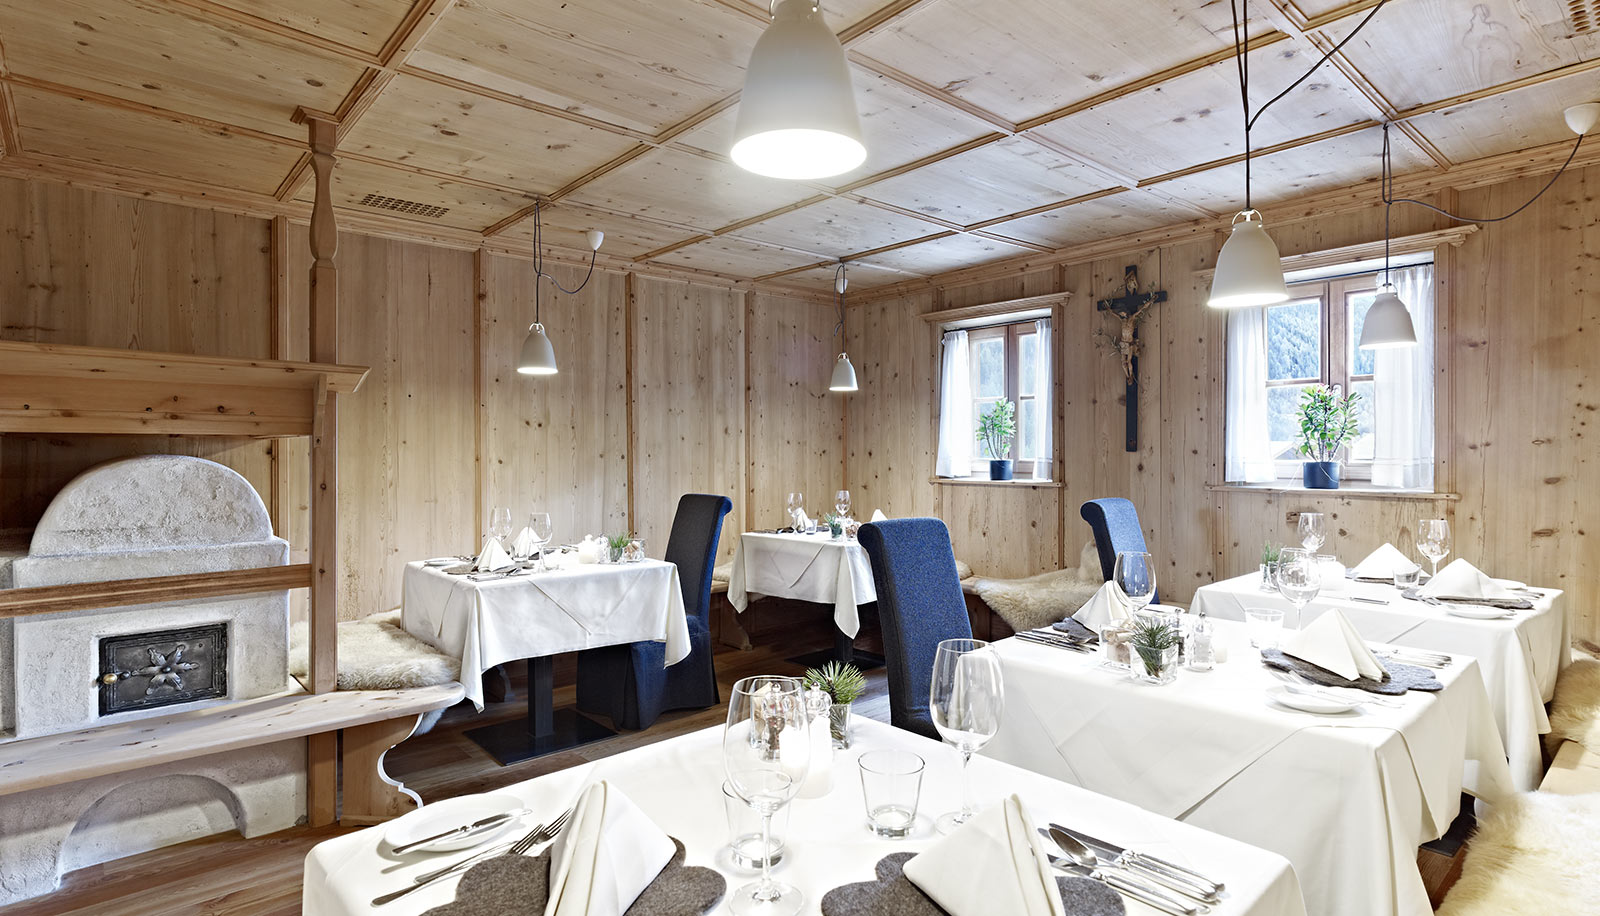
{"x":535,"y":836}
{"x":1294,"y":681}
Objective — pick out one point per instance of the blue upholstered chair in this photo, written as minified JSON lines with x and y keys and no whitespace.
{"x":630,"y":683}
{"x":1116,"y":529}
{"x":919,"y":605}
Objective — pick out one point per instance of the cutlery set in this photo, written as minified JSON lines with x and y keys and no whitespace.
{"x":1298,"y":685}
{"x":1134,"y":874}
{"x":1047,"y":637}
{"x":543,"y":833}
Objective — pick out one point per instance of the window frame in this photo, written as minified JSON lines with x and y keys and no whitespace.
{"x":1011,"y":333}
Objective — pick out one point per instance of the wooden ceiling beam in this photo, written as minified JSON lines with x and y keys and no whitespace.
{"x":931,"y":92}
{"x":10,"y":131}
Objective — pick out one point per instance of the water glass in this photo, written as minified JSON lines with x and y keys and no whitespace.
{"x":841,"y":503}
{"x":1264,"y":625}
{"x":1299,"y":578}
{"x":540,"y":525}
{"x":744,"y":832}
{"x":500,"y":524}
{"x":1135,"y":574}
{"x":1433,"y":540}
{"x":1408,"y":578}
{"x":891,"y":785}
{"x":795,"y":502}
{"x":1313,"y":531}
{"x":766,"y":752}
{"x":965,"y":699}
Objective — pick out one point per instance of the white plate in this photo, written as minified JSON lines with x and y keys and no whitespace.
{"x":453,"y":812}
{"x":1476,"y":611}
{"x":1320,"y":704}
{"x":442,"y":561}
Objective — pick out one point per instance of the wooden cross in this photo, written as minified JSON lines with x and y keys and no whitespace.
{"x":1130,"y":307}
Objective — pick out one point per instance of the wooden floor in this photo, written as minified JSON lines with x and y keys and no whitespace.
{"x":227,"y":875}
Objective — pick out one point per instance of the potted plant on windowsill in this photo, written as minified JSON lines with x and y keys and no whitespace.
{"x":1327,"y":425}
{"x":997,"y":428}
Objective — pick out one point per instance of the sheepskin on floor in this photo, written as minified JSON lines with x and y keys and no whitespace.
{"x":1025,"y":604}
{"x":1575,"y":710}
{"x":1533,"y":856}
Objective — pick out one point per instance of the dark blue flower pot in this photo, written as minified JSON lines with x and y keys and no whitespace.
{"x":1320,"y":475}
{"x":1000,"y":470}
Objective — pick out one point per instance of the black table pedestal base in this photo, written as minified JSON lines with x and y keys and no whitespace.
{"x":843,"y":651}
{"x":545,"y":730}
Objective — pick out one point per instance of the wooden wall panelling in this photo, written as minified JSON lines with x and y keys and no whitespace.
{"x":556,"y":443}
{"x":688,"y":392}
{"x":796,"y":425}
{"x":891,"y":453}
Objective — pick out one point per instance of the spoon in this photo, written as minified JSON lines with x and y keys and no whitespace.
{"x":1081,"y":859}
{"x":1084,"y":857}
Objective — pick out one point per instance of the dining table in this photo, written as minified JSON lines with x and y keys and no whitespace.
{"x":806,"y":567}
{"x":1519,"y":655}
{"x":678,"y":782}
{"x":1346,"y":798}
{"x":536,"y":614}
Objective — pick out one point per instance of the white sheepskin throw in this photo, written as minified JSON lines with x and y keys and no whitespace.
{"x":963,"y":571}
{"x":1026,"y":604}
{"x":1534,"y":855}
{"x":722,"y":573}
{"x":376,"y":653}
{"x":1575,"y":711}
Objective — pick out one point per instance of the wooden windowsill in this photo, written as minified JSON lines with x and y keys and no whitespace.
{"x":981,"y":482}
{"x":1359,"y":489}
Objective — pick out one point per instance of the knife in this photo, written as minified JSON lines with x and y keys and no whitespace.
{"x":1151,"y":863}
{"x":463,"y":830}
{"x":1053,"y":643}
{"x":1129,"y":888}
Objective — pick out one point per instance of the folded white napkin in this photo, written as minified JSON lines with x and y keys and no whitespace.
{"x":994,"y":863}
{"x":1331,"y":642}
{"x":1461,"y":579}
{"x":605,"y":858}
{"x":1383,"y":563}
{"x":1108,"y":604}
{"x":524,"y":543}
{"x":492,"y":556}
{"x":878,"y":516}
{"x":805,"y":522}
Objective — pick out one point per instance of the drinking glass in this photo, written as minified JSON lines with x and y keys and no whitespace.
{"x":891,"y":784}
{"x":1299,"y":579}
{"x":1263,"y":625}
{"x":765,"y":752}
{"x":500,"y":524}
{"x":796,"y":503}
{"x":539,"y":524}
{"x":966,"y":699}
{"x":1135,"y":574}
{"x":1313,"y":531}
{"x":841,"y":502}
{"x":1433,"y":540}
{"x":744,"y":832}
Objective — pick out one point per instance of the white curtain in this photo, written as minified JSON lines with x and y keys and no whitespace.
{"x":1247,"y":450}
{"x":1403,"y":378}
{"x":956,"y":433}
{"x":1043,"y":383}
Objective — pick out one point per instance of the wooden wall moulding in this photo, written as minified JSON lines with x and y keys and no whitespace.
{"x":997,"y":311}
{"x":1454,"y":237}
{"x":79,"y":596}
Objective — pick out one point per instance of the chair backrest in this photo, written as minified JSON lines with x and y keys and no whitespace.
{"x":696,"y":529}
{"x":920,"y":604}
{"x":1115,"y":523}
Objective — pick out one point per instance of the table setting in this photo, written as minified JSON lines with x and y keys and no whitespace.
{"x":807,"y":829}
{"x":1517,"y":634}
{"x":806,"y":563}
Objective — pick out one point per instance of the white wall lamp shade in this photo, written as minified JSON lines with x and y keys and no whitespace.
{"x":797,"y":114}
{"x":1581,"y":118}
{"x":537,"y":357}
{"x":1388,"y":324}
{"x":1249,"y":271}
{"x":844,"y":375}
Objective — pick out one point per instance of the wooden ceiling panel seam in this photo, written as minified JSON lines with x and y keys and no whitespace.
{"x":10,"y":130}
{"x":111,"y":101}
{"x":412,"y":31}
{"x":932,"y":93}
{"x":216,"y":13}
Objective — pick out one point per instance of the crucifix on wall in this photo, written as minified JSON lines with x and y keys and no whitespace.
{"x":1129,"y":308}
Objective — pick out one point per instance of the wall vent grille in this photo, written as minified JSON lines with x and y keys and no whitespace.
{"x":409,"y":207}
{"x":1584,"y":16}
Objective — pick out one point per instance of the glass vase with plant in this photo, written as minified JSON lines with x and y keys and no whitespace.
{"x":1328,"y":424}
{"x":997,"y":427}
{"x":844,"y":684}
{"x":1269,"y":566}
{"x":1155,"y":642}
{"x":616,"y":544}
{"x":835,"y":525}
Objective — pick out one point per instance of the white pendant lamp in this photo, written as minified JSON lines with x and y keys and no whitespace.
{"x":844,"y":374}
{"x":538,"y":357}
{"x":797,"y":114}
{"x":1388,"y":324}
{"x":1249,"y":271}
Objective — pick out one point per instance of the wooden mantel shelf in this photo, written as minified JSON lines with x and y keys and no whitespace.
{"x":52,"y":388}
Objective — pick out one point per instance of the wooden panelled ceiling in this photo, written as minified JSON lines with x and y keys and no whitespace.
{"x":995,"y":128}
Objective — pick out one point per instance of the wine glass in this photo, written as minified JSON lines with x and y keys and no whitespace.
{"x":1299,"y":578}
{"x":500,"y":524}
{"x":966,"y":699}
{"x":796,"y":503}
{"x":841,"y":503}
{"x":1135,"y":575}
{"x":1433,"y":540}
{"x":540,"y":525}
{"x":1313,"y":531}
{"x":766,"y":750}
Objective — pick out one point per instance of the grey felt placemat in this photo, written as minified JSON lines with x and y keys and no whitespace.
{"x":1075,"y":629}
{"x":519,"y":885}
{"x":893,"y":894}
{"x":1505,"y":604}
{"x":1401,"y":677}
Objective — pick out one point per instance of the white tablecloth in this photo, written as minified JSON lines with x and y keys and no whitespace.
{"x":678,"y":783}
{"x":573,"y":607}
{"x":1519,"y":656}
{"x":1347,"y":799}
{"x":808,"y":567}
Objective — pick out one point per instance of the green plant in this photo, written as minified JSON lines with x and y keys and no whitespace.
{"x":831,"y":520}
{"x":618,"y":541}
{"x":997,"y":428}
{"x":843,"y":683}
{"x":1151,"y":639}
{"x":1269,"y":553}
{"x":1327,"y":422}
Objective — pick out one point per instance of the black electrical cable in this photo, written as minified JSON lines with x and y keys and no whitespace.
{"x":838,"y":288}
{"x":1387,"y":187}
{"x":538,"y":263}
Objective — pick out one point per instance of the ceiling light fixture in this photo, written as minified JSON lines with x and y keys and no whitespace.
{"x":538,"y":357}
{"x":797,"y":114}
{"x":844,"y":374}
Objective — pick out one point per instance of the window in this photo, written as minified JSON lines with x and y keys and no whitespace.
{"x":986,"y":366}
{"x":1280,"y":350}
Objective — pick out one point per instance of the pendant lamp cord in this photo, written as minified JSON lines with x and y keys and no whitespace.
{"x":538,"y":263}
{"x":838,"y":329}
{"x":1387,"y":187}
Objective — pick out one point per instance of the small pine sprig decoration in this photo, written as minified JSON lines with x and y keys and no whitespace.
{"x":844,"y":683}
{"x":1269,"y":553}
{"x":1151,"y":639}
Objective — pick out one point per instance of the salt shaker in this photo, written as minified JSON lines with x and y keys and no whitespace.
{"x":819,"y":777}
{"x":1202,"y":654}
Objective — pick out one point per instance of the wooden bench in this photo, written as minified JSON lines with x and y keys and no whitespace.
{"x":1575,"y":771}
{"x":371,"y":722}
